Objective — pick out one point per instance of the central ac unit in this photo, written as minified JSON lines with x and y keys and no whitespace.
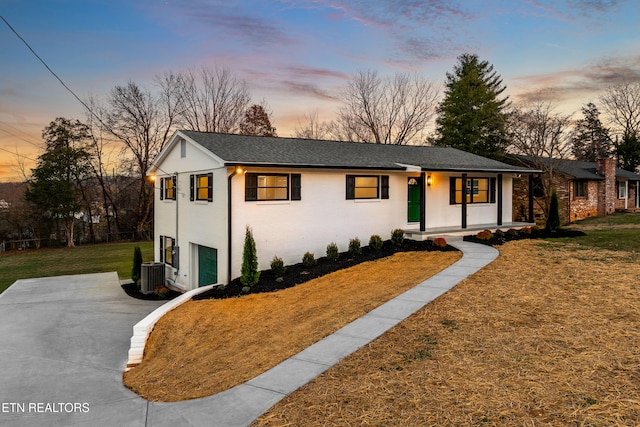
{"x":152,"y":276}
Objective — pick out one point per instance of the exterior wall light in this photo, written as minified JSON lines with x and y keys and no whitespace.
{"x":429,"y":180}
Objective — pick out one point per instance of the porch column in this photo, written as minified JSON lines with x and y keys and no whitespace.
{"x":499,"y":199}
{"x":464,"y":200}
{"x":530,"y":197}
{"x":423,"y":204}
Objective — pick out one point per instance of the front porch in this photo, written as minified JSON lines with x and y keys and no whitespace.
{"x":432,"y":233}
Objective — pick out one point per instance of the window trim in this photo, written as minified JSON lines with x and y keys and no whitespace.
{"x":251,"y":187}
{"x":580,"y":189}
{"x":194,"y":181}
{"x":164,"y":189}
{"x":622,"y":188}
{"x":491,"y":190}
{"x":382,"y":187}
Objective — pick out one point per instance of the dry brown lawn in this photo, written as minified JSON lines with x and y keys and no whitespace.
{"x":204,"y":347}
{"x":544,"y":336}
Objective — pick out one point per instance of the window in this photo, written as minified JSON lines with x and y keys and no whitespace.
{"x":166,"y":249}
{"x":168,"y":188}
{"x":183,"y":148}
{"x":580,"y":188}
{"x":367,"y":187}
{"x":622,"y":190}
{"x":202,"y":187}
{"x":272,"y":187}
{"x":479,"y":190}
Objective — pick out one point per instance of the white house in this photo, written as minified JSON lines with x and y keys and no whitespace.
{"x":299,"y":195}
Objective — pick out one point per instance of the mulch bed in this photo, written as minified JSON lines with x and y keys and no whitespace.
{"x":298,"y":273}
{"x":133,"y":291}
{"x":498,"y":237}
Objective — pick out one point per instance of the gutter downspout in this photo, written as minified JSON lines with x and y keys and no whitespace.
{"x":229,"y":228}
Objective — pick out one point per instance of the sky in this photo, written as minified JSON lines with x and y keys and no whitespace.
{"x":298,"y":55}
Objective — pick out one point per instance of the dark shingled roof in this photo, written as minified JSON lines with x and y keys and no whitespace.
{"x":581,"y":170}
{"x":295,"y":152}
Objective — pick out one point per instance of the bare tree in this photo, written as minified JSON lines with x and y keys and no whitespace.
{"x":143,"y":122}
{"x":312,"y":128}
{"x":621,"y":103}
{"x":213,"y":100}
{"x":542,"y":137}
{"x":394,"y":110}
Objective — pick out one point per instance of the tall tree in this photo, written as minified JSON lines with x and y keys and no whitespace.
{"x":143,"y":122}
{"x":313,"y":128}
{"x":212,"y":100}
{"x":256,"y":122}
{"x":55,"y":186}
{"x":590,"y":140}
{"x":472,"y":114}
{"x":628,"y":152}
{"x":393,"y":110}
{"x":622,"y":106}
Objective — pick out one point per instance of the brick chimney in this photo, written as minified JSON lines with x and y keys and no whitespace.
{"x":607,"y":188}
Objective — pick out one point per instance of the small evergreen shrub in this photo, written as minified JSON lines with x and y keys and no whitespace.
{"x":277,"y":266}
{"x":375,"y":242}
{"x":249,"y":274}
{"x":308,"y":259}
{"x":354,"y":247}
{"x":535,"y":231}
{"x":332,"y":252}
{"x":136,"y":271}
{"x":485,"y":235}
{"x":525,"y":232}
{"x":499,"y":234}
{"x":440,"y":242}
{"x":553,"y":218}
{"x":397,"y":236}
{"x":512,"y":233}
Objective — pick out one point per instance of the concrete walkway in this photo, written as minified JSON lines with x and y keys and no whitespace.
{"x":69,"y":346}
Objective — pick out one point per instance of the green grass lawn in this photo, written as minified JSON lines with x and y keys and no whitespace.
{"x":101,"y":258}
{"x":617,"y":232}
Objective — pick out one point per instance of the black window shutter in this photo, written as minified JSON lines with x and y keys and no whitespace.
{"x":161,"y":248}
{"x":351,"y":187}
{"x":250,"y":187}
{"x":161,"y":188}
{"x":192,"y":179}
{"x":492,"y":190}
{"x":452,"y":190}
{"x":296,"y":186}
{"x":210,"y":187}
{"x":384,"y":187}
{"x":173,"y":179}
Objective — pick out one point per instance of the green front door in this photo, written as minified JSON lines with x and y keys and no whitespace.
{"x":413,"y":203}
{"x":207,"y":266}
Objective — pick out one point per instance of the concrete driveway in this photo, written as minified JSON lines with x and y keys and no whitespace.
{"x":59,"y":338}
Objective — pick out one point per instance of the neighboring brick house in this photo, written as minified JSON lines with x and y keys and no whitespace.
{"x":584,"y":189}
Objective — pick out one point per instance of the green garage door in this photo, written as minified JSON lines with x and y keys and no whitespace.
{"x":207,"y":266}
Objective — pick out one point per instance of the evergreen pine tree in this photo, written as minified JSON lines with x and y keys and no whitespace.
{"x":471,"y":116}
{"x":136,"y":271}
{"x":249,"y":275}
{"x":590,"y":140}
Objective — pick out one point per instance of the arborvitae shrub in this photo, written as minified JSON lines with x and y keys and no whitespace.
{"x":249,"y":274}
{"x":136,"y":271}
{"x":332,"y":252}
{"x":375,"y":242}
{"x":308,"y":259}
{"x":277,"y":266}
{"x":354,"y":247}
{"x":553,"y":219}
{"x":397,"y":236}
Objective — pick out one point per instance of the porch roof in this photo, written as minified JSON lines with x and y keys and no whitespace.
{"x":296,"y":152}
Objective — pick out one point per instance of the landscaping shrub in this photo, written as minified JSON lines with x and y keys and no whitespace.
{"x":136,"y":271}
{"x":553,"y":219}
{"x":499,"y":234}
{"x":397,"y":236}
{"x":332,"y":252}
{"x":249,"y":274}
{"x":277,"y":266}
{"x":485,"y":235}
{"x":512,"y":233}
{"x":525,"y":232}
{"x":354,"y":247}
{"x":308,"y":260}
{"x":161,"y":291}
{"x":439,"y":242}
{"x":375,"y":242}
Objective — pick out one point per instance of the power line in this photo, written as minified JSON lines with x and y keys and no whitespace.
{"x":18,"y":136}
{"x":53,"y":73}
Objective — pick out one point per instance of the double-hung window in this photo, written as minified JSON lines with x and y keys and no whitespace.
{"x":367,"y":187}
{"x":580,"y":188}
{"x":478,"y":190}
{"x":168,"y":188}
{"x":202,"y":187}
{"x":166,"y":249}
{"x":264,"y":186}
{"x":622,"y":190}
